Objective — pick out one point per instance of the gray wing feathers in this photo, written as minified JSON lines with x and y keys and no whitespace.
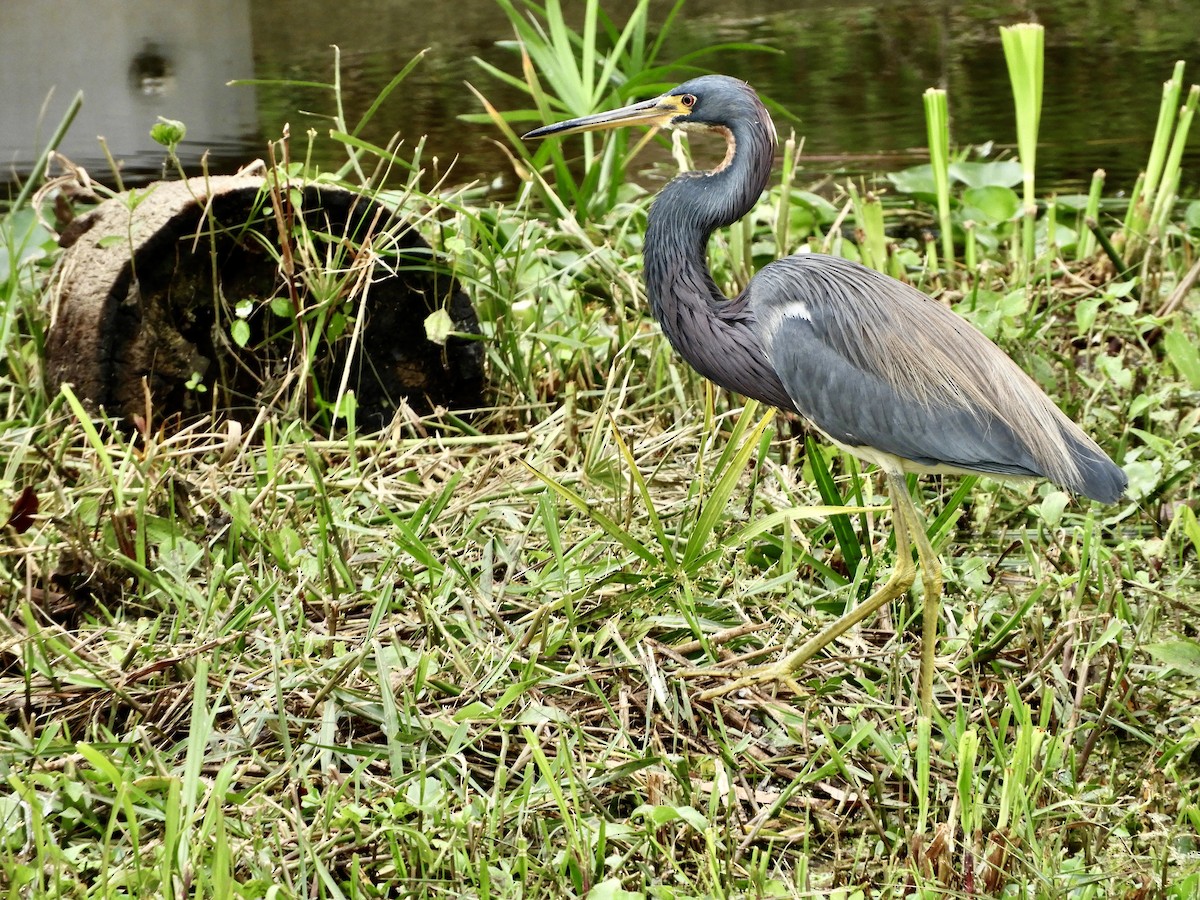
{"x":873,"y":362}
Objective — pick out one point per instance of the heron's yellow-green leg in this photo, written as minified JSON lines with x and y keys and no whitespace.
{"x":931,"y":579}
{"x":901,"y":579}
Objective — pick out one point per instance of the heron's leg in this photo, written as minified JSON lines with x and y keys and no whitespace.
{"x":897,"y":584}
{"x":931,"y":578}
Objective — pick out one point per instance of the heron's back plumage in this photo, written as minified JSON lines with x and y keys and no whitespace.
{"x":875,"y":363}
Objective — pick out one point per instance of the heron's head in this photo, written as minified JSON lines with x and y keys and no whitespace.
{"x":708,"y":102}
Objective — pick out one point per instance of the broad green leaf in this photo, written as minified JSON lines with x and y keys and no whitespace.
{"x":915,"y":180}
{"x":1186,"y":519}
{"x":1073,"y":202}
{"x":475,"y":711}
{"x":1143,"y":477}
{"x":240,"y":332}
{"x":662,"y":815}
{"x":1115,"y":629}
{"x":822,"y":209}
{"x":539,"y":714}
{"x":1184,"y":356}
{"x":1191,"y":216}
{"x":425,"y":794}
{"x":168,"y":132}
{"x":1085,"y":313}
{"x":611,"y":889}
{"x":1002,"y":173}
{"x":991,"y":205}
{"x":1052,"y":507}
{"x":1120,"y":289}
{"x":1182,"y":654}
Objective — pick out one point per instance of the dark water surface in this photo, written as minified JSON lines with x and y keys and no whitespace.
{"x":851,"y":72}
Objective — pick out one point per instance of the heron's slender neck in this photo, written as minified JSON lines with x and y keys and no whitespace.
{"x":714,"y":334}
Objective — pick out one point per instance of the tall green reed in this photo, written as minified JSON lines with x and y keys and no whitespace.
{"x":1024,"y":51}
{"x":937,"y":121}
{"x":1156,"y":191}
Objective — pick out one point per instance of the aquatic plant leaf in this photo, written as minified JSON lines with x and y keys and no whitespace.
{"x":991,"y":205}
{"x":917,"y":180}
{"x":1000,"y":173}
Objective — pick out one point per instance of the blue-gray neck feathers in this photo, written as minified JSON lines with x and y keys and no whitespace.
{"x":714,"y":334}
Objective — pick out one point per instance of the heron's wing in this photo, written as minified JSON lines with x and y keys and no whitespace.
{"x":875,"y":363}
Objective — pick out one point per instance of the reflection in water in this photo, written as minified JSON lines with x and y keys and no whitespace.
{"x":152,"y":73}
{"x":852,"y":74}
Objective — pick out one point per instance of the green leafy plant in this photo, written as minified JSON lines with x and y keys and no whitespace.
{"x":1146,"y":218}
{"x":566,"y":74}
{"x":170,"y":133}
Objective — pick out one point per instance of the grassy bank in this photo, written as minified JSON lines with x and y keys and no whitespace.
{"x":463,"y":656}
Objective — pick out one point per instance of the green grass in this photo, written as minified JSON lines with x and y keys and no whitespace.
{"x":276,"y":663}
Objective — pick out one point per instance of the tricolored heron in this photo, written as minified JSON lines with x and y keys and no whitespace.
{"x":882,"y":370}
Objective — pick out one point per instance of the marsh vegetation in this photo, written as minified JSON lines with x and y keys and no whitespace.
{"x":462,"y":656}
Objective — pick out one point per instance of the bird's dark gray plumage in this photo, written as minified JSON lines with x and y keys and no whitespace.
{"x":880,"y":368}
{"x":826,"y":364}
{"x":813,"y":322}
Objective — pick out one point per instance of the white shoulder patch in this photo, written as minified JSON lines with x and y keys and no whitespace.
{"x":795,"y":309}
{"x":773,"y":316}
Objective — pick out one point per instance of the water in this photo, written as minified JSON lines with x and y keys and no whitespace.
{"x":851,"y":72}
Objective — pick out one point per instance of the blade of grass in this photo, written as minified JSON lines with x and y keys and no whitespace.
{"x":843,"y":528}
{"x":729,"y":470}
{"x":950,"y":511}
{"x":647,"y":501}
{"x":93,"y":438}
{"x":1004,"y":633}
{"x":610,"y":527}
{"x":784,"y":516}
{"x":39,"y":167}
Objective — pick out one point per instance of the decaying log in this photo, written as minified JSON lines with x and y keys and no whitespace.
{"x":148,"y":290}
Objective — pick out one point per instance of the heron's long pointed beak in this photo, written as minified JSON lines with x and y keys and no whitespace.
{"x":659,"y":111}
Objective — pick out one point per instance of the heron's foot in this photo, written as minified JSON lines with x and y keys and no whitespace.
{"x":782,"y":672}
{"x":778,"y":673}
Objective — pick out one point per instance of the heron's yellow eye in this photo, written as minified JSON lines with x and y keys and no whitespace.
{"x":688,"y":100}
